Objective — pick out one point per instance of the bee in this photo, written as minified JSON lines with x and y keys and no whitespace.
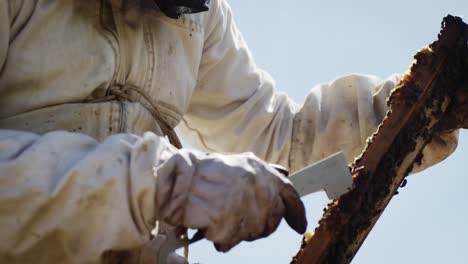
{"x":403,"y":183}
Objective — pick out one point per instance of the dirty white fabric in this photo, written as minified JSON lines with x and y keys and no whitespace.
{"x":64,"y":197}
{"x":231,"y":197}
{"x":60,"y":59}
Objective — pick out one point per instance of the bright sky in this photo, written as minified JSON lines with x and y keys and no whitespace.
{"x":304,"y":42}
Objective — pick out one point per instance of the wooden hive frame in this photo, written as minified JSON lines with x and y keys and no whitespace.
{"x":417,"y":105}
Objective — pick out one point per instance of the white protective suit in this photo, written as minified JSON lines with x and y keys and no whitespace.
{"x":98,"y":68}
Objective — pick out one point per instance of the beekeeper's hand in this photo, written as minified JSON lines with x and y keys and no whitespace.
{"x":230,"y":197}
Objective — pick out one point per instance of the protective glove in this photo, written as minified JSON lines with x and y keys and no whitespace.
{"x":230,"y":197}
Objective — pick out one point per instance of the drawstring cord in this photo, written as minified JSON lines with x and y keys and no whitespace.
{"x":120,"y":92}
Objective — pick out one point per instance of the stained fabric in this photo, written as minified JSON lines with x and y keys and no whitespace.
{"x":175,"y":8}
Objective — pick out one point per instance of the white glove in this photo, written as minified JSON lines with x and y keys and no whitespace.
{"x":230,"y":197}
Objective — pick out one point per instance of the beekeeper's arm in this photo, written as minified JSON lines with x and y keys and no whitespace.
{"x":235,"y":107}
{"x":65,"y":196}
{"x":67,"y":193}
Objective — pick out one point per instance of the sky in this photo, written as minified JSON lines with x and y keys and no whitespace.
{"x":304,"y":43}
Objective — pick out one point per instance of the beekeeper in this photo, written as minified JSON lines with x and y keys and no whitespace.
{"x":89,"y":89}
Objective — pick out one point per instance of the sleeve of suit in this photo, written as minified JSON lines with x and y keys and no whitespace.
{"x":67,"y":192}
